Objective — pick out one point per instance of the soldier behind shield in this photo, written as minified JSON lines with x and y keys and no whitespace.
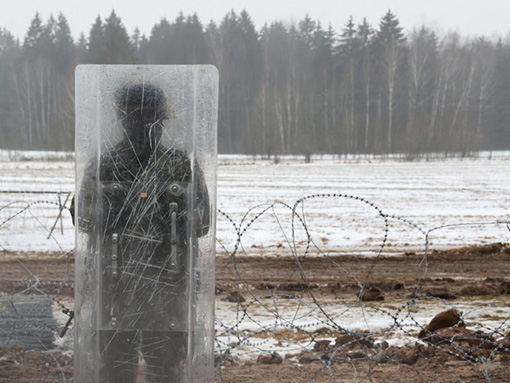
{"x":143,"y":224}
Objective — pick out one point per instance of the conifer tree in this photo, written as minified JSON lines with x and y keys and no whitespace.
{"x":64,"y":48}
{"x":390,"y":39}
{"x":159,"y":48}
{"x":117,"y":46}
{"x":33,"y":43}
{"x":96,"y":42}
{"x":365,"y":39}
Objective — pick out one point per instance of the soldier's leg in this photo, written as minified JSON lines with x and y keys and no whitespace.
{"x":165,"y":355}
{"x":119,"y":356}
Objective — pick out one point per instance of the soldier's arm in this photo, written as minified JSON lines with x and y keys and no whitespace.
{"x":86,"y":200}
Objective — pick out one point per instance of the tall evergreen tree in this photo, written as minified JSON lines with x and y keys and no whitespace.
{"x":365,"y":39}
{"x":307,"y":29}
{"x":241,"y":69}
{"x":349,"y":41}
{"x":390,"y":32}
{"x":117,"y":45}
{"x":81,"y":48}
{"x":33,"y":44}
{"x":275,"y":103}
{"x":65,"y":50}
{"x":322,"y":73}
{"x":159,"y":49}
{"x":422,"y":81}
{"x":348,"y":59}
{"x":198,"y":52}
{"x":96,"y":42}
{"x":390,"y":39}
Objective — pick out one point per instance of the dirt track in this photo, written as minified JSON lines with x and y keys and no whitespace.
{"x":460,"y":270}
{"x":451,"y":275}
{"x":463,"y":272}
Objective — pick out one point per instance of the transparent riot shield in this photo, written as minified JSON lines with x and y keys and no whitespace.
{"x":145,"y":223}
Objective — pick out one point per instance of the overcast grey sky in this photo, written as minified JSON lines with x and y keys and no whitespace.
{"x":487,"y":17}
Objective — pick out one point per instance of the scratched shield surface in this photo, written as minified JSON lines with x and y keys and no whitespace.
{"x":144,"y":213}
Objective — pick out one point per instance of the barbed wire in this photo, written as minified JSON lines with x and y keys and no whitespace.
{"x":321,"y":316}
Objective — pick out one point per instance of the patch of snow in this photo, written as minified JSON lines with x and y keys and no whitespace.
{"x":342,"y":204}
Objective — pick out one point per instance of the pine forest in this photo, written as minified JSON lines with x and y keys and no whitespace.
{"x":299,"y":88}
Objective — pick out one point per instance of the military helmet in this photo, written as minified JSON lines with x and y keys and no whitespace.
{"x":143,"y":99}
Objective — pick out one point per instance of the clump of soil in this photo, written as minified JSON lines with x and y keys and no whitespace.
{"x":18,"y":365}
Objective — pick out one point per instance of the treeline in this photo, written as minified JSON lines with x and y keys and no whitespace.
{"x":284,"y":89}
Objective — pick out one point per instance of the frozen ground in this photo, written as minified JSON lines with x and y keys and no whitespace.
{"x":397,"y":323}
{"x":350,"y":205}
{"x":456,"y":202}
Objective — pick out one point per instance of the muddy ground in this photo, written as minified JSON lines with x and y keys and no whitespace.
{"x":454,"y":355}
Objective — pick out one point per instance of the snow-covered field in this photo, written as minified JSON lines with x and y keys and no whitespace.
{"x":351,"y":204}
